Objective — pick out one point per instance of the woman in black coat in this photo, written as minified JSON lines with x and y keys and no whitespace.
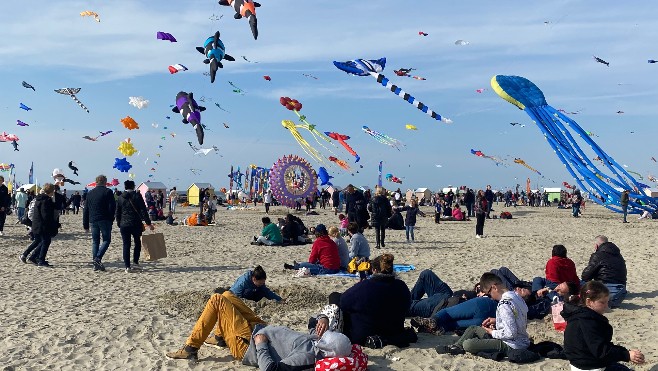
{"x":44,"y":227}
{"x":380,"y":210}
{"x":130,"y":212}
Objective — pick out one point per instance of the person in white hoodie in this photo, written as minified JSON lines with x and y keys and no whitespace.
{"x":501,"y":334}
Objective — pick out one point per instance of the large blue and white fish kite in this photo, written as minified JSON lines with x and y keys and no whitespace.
{"x":605,"y":187}
{"x":365,"y":67}
{"x":214,"y":50}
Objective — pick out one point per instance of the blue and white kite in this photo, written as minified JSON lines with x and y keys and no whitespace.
{"x":364,"y":67}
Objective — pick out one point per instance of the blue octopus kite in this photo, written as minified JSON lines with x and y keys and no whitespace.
{"x":605,"y":189}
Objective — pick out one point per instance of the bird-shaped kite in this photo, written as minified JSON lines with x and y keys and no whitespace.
{"x":129,"y":123}
{"x":191,"y":112}
{"x":246,"y":9}
{"x":383,"y":138}
{"x":339,"y":162}
{"x":24,"y":107}
{"x":341,"y":138}
{"x":21,"y":123}
{"x":88,"y":13}
{"x":521,"y":162}
{"x":72,"y":92}
{"x":104,"y":133}
{"x":214,"y":50}
{"x":72,"y":167}
{"x":363,"y":67}
{"x":28,"y":86}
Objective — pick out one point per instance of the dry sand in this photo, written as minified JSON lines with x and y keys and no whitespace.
{"x":71,"y":318}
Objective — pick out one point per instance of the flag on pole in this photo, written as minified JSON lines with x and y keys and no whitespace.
{"x":30,"y":177}
{"x":379,"y":180}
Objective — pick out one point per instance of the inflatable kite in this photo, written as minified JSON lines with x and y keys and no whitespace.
{"x":21,"y":123}
{"x":4,"y":137}
{"x":339,"y":162}
{"x":165,"y":36}
{"x":72,"y":167}
{"x":341,"y":138}
{"x":410,"y":127}
{"x":383,"y":138}
{"x":6,"y":167}
{"x":363,"y":67}
{"x":325,"y":178}
{"x":129,"y":123}
{"x":266,"y":77}
{"x":122,"y":165}
{"x":72,"y":92}
{"x":175,"y":68}
{"x":58,"y":177}
{"x":521,"y":162}
{"x":15,"y":145}
{"x":421,"y":33}
{"x":527,"y":96}
{"x":22,"y":106}
{"x":138,"y":102}
{"x":295,"y":106}
{"x":292,"y":178}
{"x":126,"y":148}
{"x":88,"y":13}
{"x":393,"y":179}
{"x":301,"y":141}
{"x":191,"y":112}
{"x":214,"y":50}
{"x":247,"y":9}
{"x":28,"y":86}
{"x":404,"y":72}
{"x":480,"y":154}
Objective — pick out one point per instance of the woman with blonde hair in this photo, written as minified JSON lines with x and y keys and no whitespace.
{"x":44,"y":227}
{"x":343,"y":249}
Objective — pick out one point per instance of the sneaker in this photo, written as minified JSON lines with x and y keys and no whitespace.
{"x":408,"y":240}
{"x":22,"y":258}
{"x":478,"y":236}
{"x":255,"y":238}
{"x":136,"y":266}
{"x":128,"y":270}
{"x":383,"y":245}
{"x":98,"y":266}
{"x":254,"y":243}
{"x":374,"y":342}
{"x":1,"y":234}
{"x":185,"y":352}
{"x":44,"y":264}
{"x":32,"y":261}
{"x":216,"y":342}
{"x":288,"y":266}
{"x":450,"y":349}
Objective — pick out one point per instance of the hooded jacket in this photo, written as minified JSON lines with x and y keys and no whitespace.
{"x":511,"y":321}
{"x":588,"y":339}
{"x":606,"y":265}
{"x":325,"y":253}
{"x":129,"y":216}
{"x":44,"y":221}
{"x":560,"y":270}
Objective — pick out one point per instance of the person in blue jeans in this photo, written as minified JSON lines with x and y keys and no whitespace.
{"x":437,"y":291}
{"x":410,"y":218}
{"x":99,"y":212}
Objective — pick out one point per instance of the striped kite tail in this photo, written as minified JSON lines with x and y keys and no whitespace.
{"x":79,"y":103}
{"x":402,"y":94}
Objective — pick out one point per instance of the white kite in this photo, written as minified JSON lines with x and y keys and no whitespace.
{"x":138,"y":102}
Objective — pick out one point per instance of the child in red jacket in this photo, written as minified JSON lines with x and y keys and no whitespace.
{"x":559,"y":269}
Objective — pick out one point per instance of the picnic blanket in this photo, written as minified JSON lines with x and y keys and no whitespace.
{"x":398,"y":268}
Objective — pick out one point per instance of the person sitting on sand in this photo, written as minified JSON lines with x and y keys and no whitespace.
{"x":588,"y":336}
{"x":270,"y":235}
{"x":343,"y":249}
{"x":248,"y":338}
{"x":291,"y":231}
{"x":324,"y":258}
{"x":373,"y":310}
{"x":170,"y":219}
{"x":457,"y":213}
{"x":251,"y":286}
{"x":500,"y":334}
{"x":559,"y":269}
{"x":359,"y":247}
{"x":396,"y":221}
{"x":607,"y":265}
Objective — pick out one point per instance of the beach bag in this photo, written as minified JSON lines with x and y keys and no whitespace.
{"x":354,"y":266}
{"x":558,"y":321}
{"x":357,"y":361}
{"x":153,"y":245}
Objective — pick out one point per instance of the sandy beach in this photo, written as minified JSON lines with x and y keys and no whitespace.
{"x":72,"y":318}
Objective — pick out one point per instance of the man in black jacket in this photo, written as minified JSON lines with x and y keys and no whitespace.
{"x":489,"y":196}
{"x":608,"y":266}
{"x":99,"y":213}
{"x":5,"y":200}
{"x":355,"y":207}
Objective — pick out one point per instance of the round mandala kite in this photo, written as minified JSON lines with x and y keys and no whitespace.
{"x":292,"y":178}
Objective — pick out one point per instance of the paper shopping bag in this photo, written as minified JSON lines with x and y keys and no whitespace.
{"x":153,"y":245}
{"x":558,"y":321}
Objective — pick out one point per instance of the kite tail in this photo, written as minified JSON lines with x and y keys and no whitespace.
{"x":402,"y":94}
{"x":79,"y":103}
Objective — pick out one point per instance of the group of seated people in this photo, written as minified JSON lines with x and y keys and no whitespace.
{"x":289,"y":231}
{"x":491,"y":319}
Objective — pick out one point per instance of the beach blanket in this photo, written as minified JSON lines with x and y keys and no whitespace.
{"x":398,"y":268}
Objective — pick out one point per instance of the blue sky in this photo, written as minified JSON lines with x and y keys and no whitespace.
{"x":51,"y":47}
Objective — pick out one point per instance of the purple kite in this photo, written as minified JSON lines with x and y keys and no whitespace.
{"x":21,"y":123}
{"x":166,"y":36}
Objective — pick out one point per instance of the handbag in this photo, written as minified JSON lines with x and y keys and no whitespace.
{"x":356,"y":266}
{"x":134,"y":208}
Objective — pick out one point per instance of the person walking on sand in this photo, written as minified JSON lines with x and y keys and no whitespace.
{"x":44,"y":227}
{"x":624,"y":203}
{"x":99,"y":213}
{"x":5,"y":201}
{"x":480,"y":214}
{"x":130,"y":213}
{"x":173,"y":199}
